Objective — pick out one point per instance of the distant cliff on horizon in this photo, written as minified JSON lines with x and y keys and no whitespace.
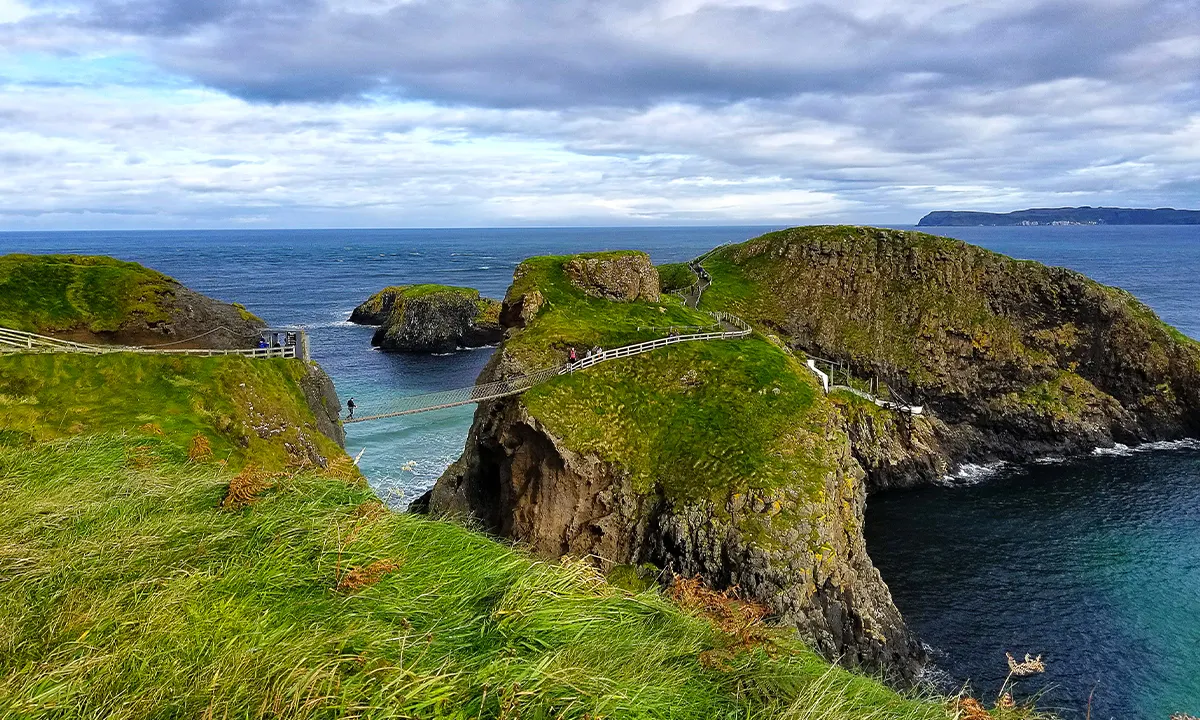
{"x":1063,"y":216}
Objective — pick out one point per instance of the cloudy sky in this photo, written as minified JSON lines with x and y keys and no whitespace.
{"x":418,"y":113}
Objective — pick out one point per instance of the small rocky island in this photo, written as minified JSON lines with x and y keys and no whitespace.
{"x":430,"y":318}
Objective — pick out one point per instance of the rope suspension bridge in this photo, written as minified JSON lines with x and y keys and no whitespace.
{"x":732,"y":328}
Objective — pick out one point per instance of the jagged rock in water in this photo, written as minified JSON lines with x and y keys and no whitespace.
{"x":624,"y":276}
{"x":430,"y":318}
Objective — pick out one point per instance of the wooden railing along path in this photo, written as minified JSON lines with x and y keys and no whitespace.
{"x":16,"y":341}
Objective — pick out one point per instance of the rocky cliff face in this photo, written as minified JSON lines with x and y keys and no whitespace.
{"x":1015,"y":359}
{"x":623,"y":277}
{"x":719,"y":461}
{"x":322,"y":399}
{"x":425,"y":318}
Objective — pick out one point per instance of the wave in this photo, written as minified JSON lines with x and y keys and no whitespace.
{"x":972,"y":473}
{"x":332,"y":324}
{"x":1121,"y":450}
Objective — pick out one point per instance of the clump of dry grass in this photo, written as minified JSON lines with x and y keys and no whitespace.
{"x":342,"y":467}
{"x":364,"y":577}
{"x":140,"y":457}
{"x":200,"y":450}
{"x":152,"y":429}
{"x":968,"y":708}
{"x":740,"y":620}
{"x":1031,"y":665}
{"x":245,"y":487}
{"x":369,"y":511}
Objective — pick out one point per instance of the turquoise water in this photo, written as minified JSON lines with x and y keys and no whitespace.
{"x":1094,"y":564}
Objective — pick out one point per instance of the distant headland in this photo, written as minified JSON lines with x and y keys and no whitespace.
{"x":1064,"y":216}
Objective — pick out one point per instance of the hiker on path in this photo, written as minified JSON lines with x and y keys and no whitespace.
{"x":571,"y":355}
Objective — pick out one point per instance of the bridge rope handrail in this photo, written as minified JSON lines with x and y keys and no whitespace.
{"x":413,"y":404}
{"x":18,"y":341}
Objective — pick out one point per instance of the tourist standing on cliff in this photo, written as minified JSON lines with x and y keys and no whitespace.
{"x":571,"y":355}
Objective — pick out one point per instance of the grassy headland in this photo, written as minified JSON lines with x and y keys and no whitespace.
{"x":698,"y":420}
{"x":42,"y":293}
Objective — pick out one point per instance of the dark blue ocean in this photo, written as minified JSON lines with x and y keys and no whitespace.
{"x":1092,"y":563}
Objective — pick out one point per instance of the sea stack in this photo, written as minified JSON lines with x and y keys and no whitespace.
{"x":430,"y":318}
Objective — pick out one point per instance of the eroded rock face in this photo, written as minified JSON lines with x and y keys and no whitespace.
{"x":520,"y":311}
{"x":804,"y":558}
{"x":322,"y":399}
{"x":623,"y":277}
{"x":430,"y":321}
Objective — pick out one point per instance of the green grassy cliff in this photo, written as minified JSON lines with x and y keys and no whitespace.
{"x":1017,"y":358}
{"x":40,"y":293}
{"x":101,"y":299}
{"x":720,"y":459}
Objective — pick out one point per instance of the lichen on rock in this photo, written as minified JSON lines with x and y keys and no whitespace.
{"x":430,"y":318}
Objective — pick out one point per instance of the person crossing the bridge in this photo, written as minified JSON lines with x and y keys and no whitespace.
{"x":571,"y":356}
{"x":350,"y":405}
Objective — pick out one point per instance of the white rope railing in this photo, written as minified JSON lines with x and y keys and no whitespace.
{"x":16,"y":341}
{"x":413,"y":404}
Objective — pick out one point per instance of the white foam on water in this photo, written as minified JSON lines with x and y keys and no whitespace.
{"x":972,"y":473}
{"x":1120,"y":450}
{"x":1050,"y":460}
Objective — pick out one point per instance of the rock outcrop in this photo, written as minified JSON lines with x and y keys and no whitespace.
{"x":430,"y":318}
{"x":620,"y":276}
{"x":1014,"y":359}
{"x":322,"y":399}
{"x":770,"y":503}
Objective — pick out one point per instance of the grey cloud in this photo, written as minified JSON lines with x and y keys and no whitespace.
{"x":532,"y":53}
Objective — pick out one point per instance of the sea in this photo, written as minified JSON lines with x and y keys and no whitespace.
{"x":1092,"y":563}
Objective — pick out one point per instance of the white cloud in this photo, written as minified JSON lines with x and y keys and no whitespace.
{"x":12,"y":11}
{"x":671,"y":111}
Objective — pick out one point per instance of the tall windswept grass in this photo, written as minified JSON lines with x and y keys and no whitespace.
{"x":127,"y":592}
